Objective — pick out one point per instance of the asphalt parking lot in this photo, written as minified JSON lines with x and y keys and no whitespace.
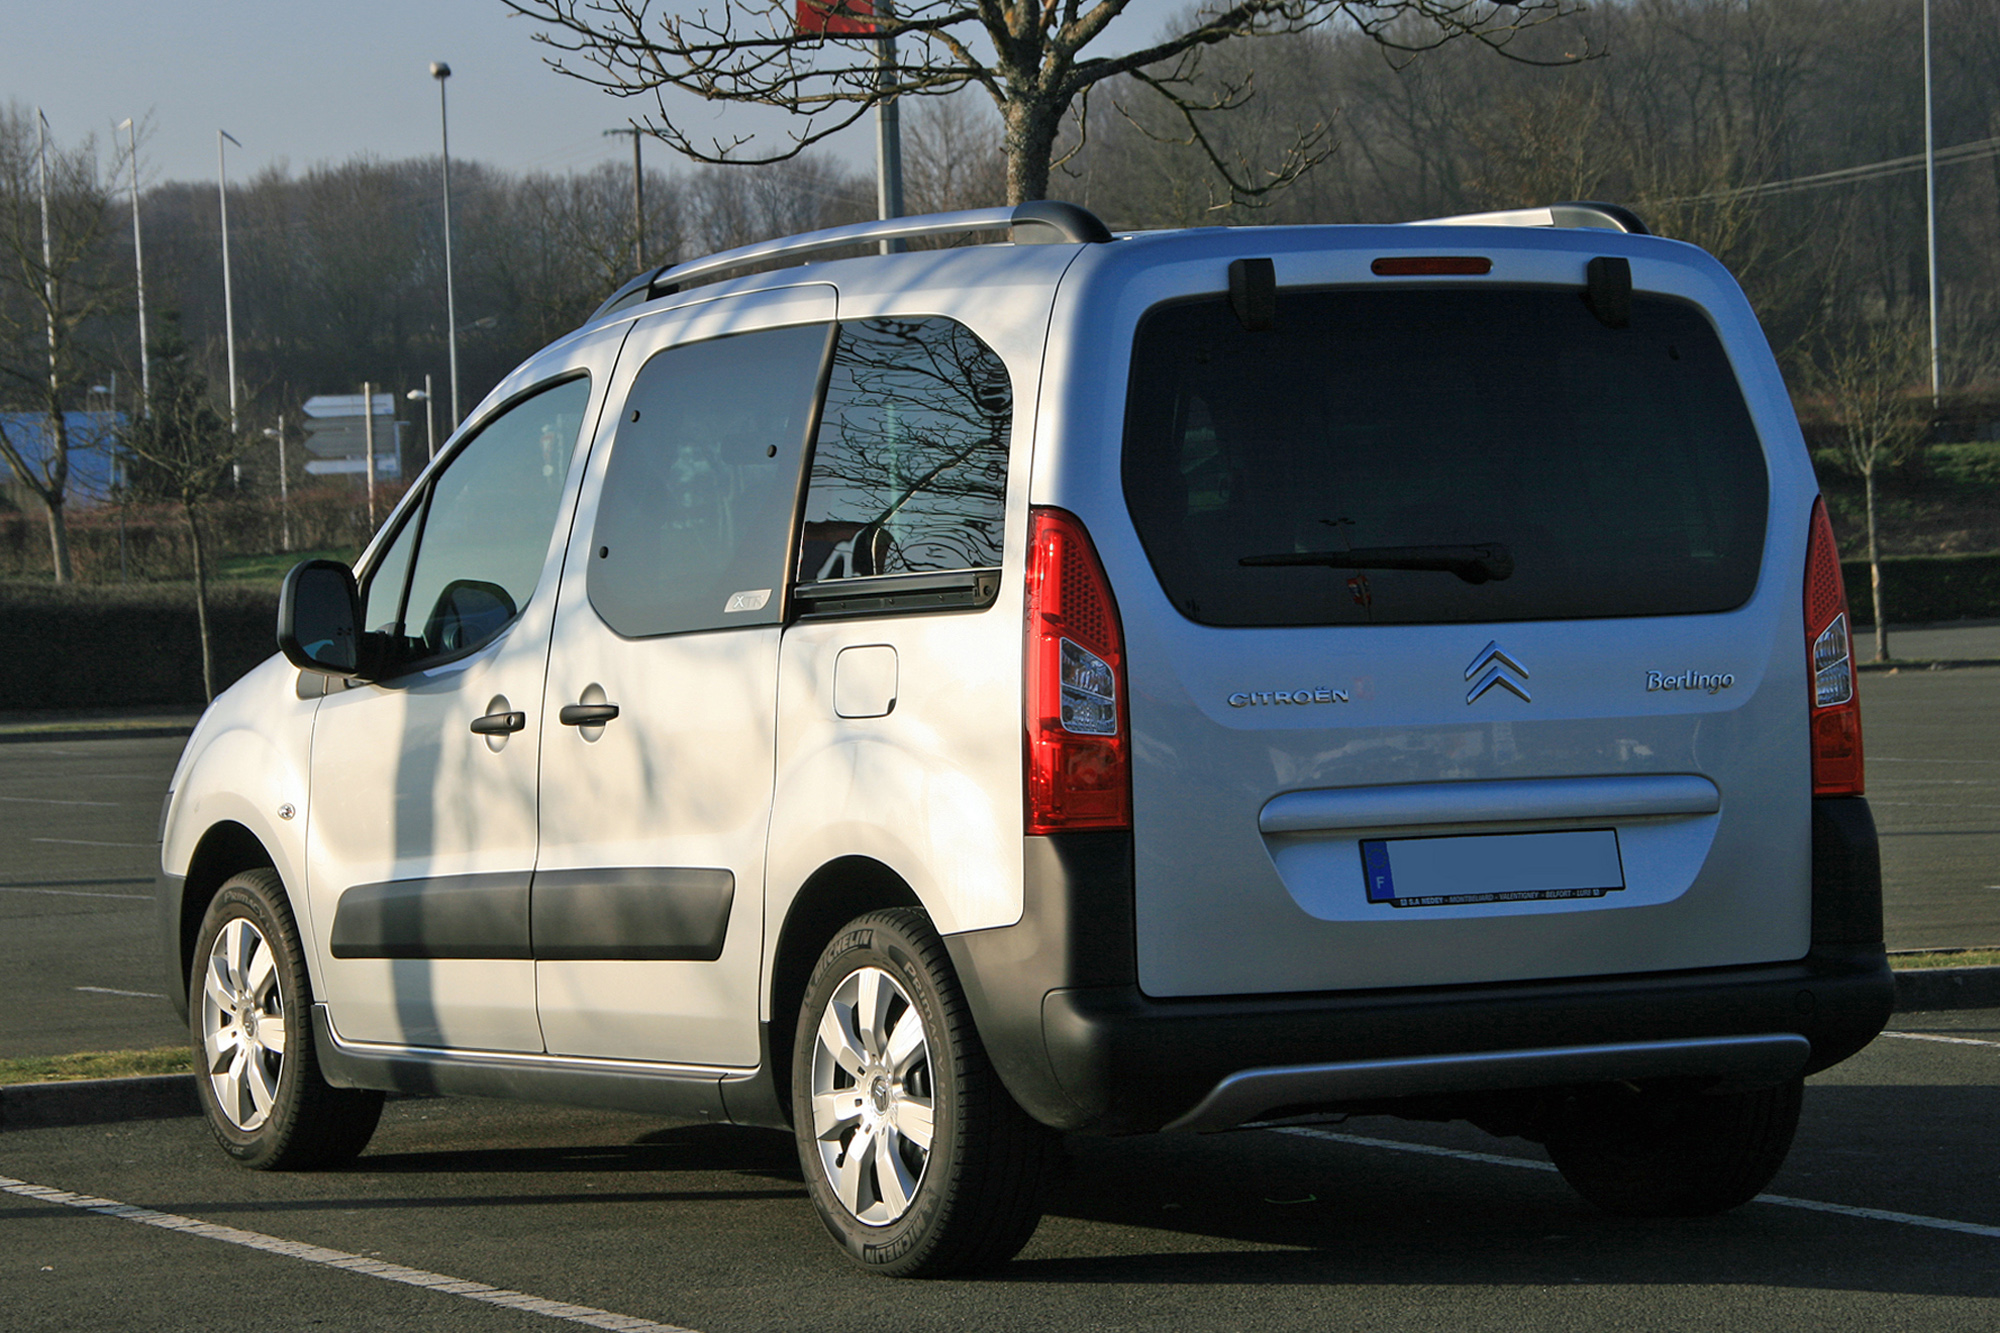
{"x":484,"y":1216}
{"x":475,"y":1215}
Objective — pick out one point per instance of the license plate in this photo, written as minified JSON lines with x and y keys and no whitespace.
{"x":1491,"y":868}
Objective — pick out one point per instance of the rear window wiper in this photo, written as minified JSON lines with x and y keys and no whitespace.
{"x":1481,"y":563}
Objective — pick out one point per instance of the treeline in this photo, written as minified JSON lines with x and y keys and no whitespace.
{"x":1695,"y":112}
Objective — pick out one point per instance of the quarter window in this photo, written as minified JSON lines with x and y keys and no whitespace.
{"x":909,"y":469}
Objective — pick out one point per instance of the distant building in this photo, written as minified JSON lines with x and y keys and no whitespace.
{"x":95,"y":466}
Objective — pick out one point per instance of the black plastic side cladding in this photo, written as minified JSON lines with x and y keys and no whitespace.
{"x":1846,"y":874}
{"x":1076,"y":929}
{"x":168,"y":890}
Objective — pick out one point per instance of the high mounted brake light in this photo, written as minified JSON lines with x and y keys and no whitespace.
{"x":1078,"y":754}
{"x":1835,"y":708}
{"x":1424,"y":266}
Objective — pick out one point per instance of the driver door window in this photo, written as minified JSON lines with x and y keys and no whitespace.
{"x":480,"y":535}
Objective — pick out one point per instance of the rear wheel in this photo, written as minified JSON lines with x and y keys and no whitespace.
{"x":250,"y":1007}
{"x":1657,"y":1153}
{"x":916,"y":1157}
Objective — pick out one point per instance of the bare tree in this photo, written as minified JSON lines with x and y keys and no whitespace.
{"x":182,"y":448}
{"x":1874,"y":384}
{"x":1029,"y":56}
{"x":54,"y":226}
{"x":951,"y":157}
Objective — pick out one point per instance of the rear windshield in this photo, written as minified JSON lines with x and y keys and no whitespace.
{"x":1441,"y":456}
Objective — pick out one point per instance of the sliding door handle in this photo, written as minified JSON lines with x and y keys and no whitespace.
{"x":499,"y":724}
{"x":587,"y":715}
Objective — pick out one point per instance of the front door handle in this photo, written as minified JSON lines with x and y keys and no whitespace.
{"x":587,"y":715}
{"x":499,"y":724}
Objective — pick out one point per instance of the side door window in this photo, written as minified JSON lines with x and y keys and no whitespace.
{"x":471,"y":550}
{"x":702,"y":485}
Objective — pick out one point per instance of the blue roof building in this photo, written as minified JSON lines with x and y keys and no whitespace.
{"x":95,"y":465}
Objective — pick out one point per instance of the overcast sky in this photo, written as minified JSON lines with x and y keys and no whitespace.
{"x":302,"y":83}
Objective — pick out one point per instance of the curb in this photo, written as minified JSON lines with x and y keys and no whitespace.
{"x":1921,"y":988}
{"x":98,"y":733}
{"x":97,"y":1101}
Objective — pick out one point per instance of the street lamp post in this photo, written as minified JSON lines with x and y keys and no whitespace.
{"x":423,"y":396}
{"x":368,"y":435}
{"x":1930,"y":207}
{"x":139,"y":262}
{"x":228,"y":296}
{"x":638,"y":199}
{"x":284,"y":485}
{"x":441,"y":71}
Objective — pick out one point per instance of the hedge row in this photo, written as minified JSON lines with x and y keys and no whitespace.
{"x":125,"y":645}
{"x":1921,"y":589}
{"x":133,"y":645}
{"x":146,"y":542}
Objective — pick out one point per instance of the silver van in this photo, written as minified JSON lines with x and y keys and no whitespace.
{"x":932,"y":701}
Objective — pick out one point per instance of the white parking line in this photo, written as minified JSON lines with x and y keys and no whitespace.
{"x":1529,"y":1164}
{"x":135,"y":994}
{"x":87,"y":842}
{"x":586,"y":1315}
{"x":74,"y":893}
{"x":1933,"y":1036}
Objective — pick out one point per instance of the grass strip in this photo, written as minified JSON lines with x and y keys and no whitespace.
{"x":1919,"y":958}
{"x":96,"y":1064}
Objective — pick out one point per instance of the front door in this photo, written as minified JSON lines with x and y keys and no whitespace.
{"x":657,"y":755}
{"x":422,"y":818}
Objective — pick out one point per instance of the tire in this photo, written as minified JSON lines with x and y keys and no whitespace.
{"x":250,"y":1011}
{"x":918,"y":1160}
{"x":1674,"y":1153}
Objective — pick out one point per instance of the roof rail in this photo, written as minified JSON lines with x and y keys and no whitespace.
{"x":1040,"y":221}
{"x":1574,"y":213}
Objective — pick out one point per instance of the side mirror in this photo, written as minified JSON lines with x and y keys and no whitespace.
{"x":319,"y":619}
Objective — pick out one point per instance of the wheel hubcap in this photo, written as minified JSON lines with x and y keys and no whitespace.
{"x":243,"y":1024}
{"x":872,"y":1095}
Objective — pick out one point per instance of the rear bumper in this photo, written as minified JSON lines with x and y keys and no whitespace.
{"x":1082,"y":1048}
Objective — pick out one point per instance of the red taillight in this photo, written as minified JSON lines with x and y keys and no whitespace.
{"x":1079,"y":770}
{"x":1836,"y":709}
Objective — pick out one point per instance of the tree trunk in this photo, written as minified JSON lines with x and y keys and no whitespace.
{"x":1030,"y":143}
{"x":59,"y":540}
{"x":201,"y":603}
{"x":56,"y":470}
{"x":1875,"y":571}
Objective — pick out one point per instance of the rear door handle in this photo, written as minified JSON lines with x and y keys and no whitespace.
{"x":499,"y":724}
{"x":586,"y":715}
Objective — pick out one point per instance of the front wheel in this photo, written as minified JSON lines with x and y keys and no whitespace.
{"x":1660,"y":1153}
{"x":250,"y":1007}
{"x":917,"y":1159}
